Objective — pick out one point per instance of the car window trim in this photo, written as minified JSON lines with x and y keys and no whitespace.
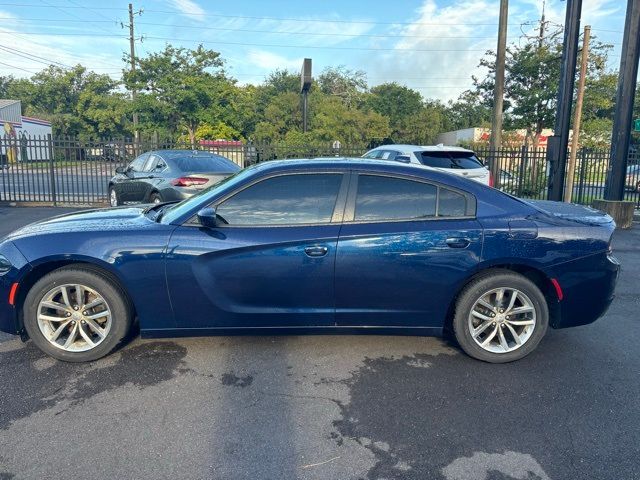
{"x":336,"y":216}
{"x":350,"y":208}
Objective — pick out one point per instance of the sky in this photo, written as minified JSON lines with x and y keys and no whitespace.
{"x":433,"y":46}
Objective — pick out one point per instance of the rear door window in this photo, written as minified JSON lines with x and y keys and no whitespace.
{"x":388,"y":198}
{"x":205,"y":164}
{"x":383,"y":198}
{"x":456,"y":160}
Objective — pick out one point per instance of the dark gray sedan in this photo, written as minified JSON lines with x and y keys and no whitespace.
{"x":167,"y":175}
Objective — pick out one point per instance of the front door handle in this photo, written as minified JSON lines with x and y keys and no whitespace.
{"x":316,"y":251}
{"x":458,"y":242}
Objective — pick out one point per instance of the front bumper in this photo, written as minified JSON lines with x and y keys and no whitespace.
{"x":588,"y":285}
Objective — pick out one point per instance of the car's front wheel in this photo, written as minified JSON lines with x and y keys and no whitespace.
{"x":500,"y":317}
{"x":77,"y":314}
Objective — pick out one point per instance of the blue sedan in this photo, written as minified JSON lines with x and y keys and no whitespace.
{"x":323,"y":246}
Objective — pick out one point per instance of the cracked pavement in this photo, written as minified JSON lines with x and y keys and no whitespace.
{"x":330,"y":407}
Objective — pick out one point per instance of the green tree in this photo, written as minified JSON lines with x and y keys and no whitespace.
{"x":532,"y":77}
{"x":76,"y":101}
{"x":468,"y":111}
{"x":399,"y":104}
{"x":176,"y":87}
{"x":348,"y":85}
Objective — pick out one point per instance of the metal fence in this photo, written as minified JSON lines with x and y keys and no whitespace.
{"x":64,"y":170}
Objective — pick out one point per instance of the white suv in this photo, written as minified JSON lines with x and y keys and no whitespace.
{"x":456,"y":160}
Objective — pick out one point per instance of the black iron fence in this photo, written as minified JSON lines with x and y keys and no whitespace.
{"x":64,"y":170}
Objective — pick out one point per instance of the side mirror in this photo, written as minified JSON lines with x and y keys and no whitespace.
{"x":207,"y":217}
{"x":121,"y":170}
{"x":402,"y":158}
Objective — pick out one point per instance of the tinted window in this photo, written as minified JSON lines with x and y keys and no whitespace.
{"x":138,"y":164}
{"x":451,"y":204}
{"x":205,"y":164}
{"x":386,"y":198}
{"x":284,"y":200}
{"x":460,"y":160}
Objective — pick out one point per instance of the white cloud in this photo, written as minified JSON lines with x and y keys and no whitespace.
{"x":32,"y":53}
{"x":440,"y":51}
{"x":189,"y":8}
{"x":270,"y":61}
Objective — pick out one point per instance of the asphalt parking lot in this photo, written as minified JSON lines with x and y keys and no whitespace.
{"x":329,"y":407}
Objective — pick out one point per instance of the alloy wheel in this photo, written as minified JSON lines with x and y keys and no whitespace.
{"x":502,"y":320}
{"x":74,"y":318}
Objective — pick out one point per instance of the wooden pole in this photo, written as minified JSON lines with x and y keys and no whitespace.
{"x":577,"y":116}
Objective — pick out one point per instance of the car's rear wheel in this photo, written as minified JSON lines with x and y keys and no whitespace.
{"x":500,"y":317}
{"x":77,"y":314}
{"x":114,"y":201}
{"x":155,"y":197}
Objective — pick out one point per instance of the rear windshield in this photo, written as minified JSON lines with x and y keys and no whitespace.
{"x":205,"y":164}
{"x":461,"y":160}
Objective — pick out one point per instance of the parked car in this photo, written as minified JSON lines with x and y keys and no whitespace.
{"x":167,"y":176}
{"x":325,"y":245}
{"x":456,"y":160}
{"x":632,"y":181}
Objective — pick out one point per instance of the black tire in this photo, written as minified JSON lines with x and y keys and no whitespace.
{"x":638,"y":187}
{"x":155,"y":197}
{"x":113,"y":194}
{"x":484,"y":283}
{"x":116,"y":298}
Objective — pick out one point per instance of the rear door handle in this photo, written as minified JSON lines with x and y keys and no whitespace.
{"x":458,"y":242}
{"x":316,"y":251}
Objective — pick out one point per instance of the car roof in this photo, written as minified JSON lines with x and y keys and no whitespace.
{"x":168,"y":154}
{"x":368,"y":164}
{"x":405,"y":148}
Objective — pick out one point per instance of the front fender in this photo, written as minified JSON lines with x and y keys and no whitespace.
{"x":20,"y":267}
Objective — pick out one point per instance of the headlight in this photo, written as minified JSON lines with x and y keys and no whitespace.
{"x":5,"y":265}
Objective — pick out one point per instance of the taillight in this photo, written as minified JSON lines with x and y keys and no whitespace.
{"x":188,"y":181}
{"x":490,"y":179}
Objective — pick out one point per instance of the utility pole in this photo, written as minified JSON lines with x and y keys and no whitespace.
{"x":132,"y":47}
{"x":624,"y":103}
{"x":498,"y":94}
{"x":558,"y":144}
{"x":577,"y":115}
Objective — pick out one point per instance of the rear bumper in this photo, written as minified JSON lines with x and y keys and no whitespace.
{"x":177,"y":193}
{"x":588,"y":286}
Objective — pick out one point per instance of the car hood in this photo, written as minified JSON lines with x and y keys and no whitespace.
{"x":108,"y":219}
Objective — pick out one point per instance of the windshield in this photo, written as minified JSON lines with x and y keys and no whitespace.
{"x":178,"y":209}
{"x":459,"y":160}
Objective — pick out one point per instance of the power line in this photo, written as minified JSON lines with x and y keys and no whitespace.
{"x":36,"y":58}
{"x":65,"y":12}
{"x":247,"y":17}
{"x":14,"y":67}
{"x":321,"y":47}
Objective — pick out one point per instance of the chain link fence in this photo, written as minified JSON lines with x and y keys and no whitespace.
{"x":65,"y":170}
